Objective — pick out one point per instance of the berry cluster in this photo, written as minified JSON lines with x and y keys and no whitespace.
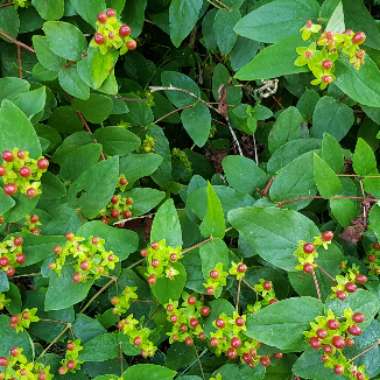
{"x":265,"y":296}
{"x":348,"y":282}
{"x":160,"y":259}
{"x":21,"y":3}
{"x":120,"y":206}
{"x":90,"y":258}
{"x":218,"y":376}
{"x":111,"y":34}
{"x":32,"y":224}
{"x":11,"y":255}
{"x":123,"y":302}
{"x":148,"y":144}
{"x":4,"y":301}
{"x":138,"y":336}
{"x":320,"y":56}
{"x":332,"y":335}
{"x":16,"y":366}
{"x":186,"y":319}
{"x":71,"y":361}
{"x":20,"y":173}
{"x":307,"y":252}
{"x":21,"y":322}
{"x":373,"y":259}
{"x":230,"y":339}
{"x":216,"y":280}
{"x":238,"y":270}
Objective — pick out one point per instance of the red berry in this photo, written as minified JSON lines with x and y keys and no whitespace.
{"x":111,"y":12}
{"x":360,"y":376}
{"x":71,"y":364}
{"x":242,"y":268}
{"x":267,"y":285}
{"x":308,"y":268}
{"x":15,"y":319}
{"x":315,"y":343}
{"x":327,"y":79}
{"x":213,"y":342}
{"x":2,"y":171}
{"x":338,"y":342}
{"x":43,"y":163}
{"x":278,"y":355}
{"x":131,"y":45}
{"x":321,"y":333}
{"x":127,"y":214}
{"x":359,"y":38}
{"x":57,"y":249}
{"x":18,"y":241}
{"x":232,"y":353}
{"x":10,"y":188}
{"x":137,"y":341}
{"x":20,"y":259}
{"x":308,"y":247}
{"x":191,"y":300}
{"x":327,"y":348}
{"x":210,"y":291}
{"x":84,"y":265}
{"x":372,"y":258}
{"x":272,"y":301}
{"x":247,"y":357}
{"x":173,"y":318}
{"x":42,"y":376}
{"x":4,"y":261}
{"x":11,"y":272}
{"x":327,"y":235}
{"x":340,"y":294}
{"x":114,"y":199}
{"x":31,"y":192}
{"x":339,"y":369}
{"x":214,"y":274}
{"x":70,"y":236}
{"x":333,"y":324}
{"x":3,"y":361}
{"x":152,"y":279}
{"x":205,"y":311}
{"x":194,"y":322}
{"x":15,"y":351}
{"x":124,"y":31}
{"x":155,"y":245}
{"x":235,"y":342}
{"x":355,"y":330}
{"x":376,"y":246}
{"x":144,"y":253}
{"x":173,"y":257}
{"x":189,"y":341}
{"x":129,"y":201}
{"x":220,"y":323}
{"x":202,"y":336}
{"x":349,"y":342}
{"x":77,"y":277}
{"x":361,"y":279}
{"x":265,"y":361}
{"x":123,"y":181}
{"x":102,"y":17}
{"x":350,"y":287}
{"x":34,"y":218}
{"x":99,"y":38}
{"x":7,"y":156}
{"x":70,"y":346}
{"x":155,"y":263}
{"x":327,"y":64}
{"x":115,"y":213}
{"x":240,"y":321}
{"x":358,"y":317}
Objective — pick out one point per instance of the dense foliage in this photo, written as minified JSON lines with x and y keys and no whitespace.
{"x":190,"y":189}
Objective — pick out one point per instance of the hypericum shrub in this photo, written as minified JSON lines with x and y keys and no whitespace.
{"x":11,"y":255}
{"x":32,"y":224}
{"x":216,"y":280}
{"x":123,"y":302}
{"x":327,"y":47}
{"x":71,"y":361}
{"x":22,"y":321}
{"x":160,"y":258}
{"x":307,"y":252}
{"x":16,"y":366}
{"x":373,"y":259}
{"x":112,"y":34}
{"x":332,"y":334}
{"x":265,"y":296}
{"x":22,"y":174}
{"x":88,"y":256}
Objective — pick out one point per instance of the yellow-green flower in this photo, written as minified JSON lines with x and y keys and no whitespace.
{"x":306,"y":55}
{"x":309,"y":29}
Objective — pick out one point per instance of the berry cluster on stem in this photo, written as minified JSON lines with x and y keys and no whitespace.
{"x":22,"y":321}
{"x":71,"y":361}
{"x":11,"y":255}
{"x":265,"y":296}
{"x":373,"y":259}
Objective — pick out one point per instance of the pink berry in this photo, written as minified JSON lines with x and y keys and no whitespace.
{"x":242,"y":268}
{"x":340,"y":294}
{"x":339,"y":369}
{"x":111,"y":12}
{"x":308,"y":268}
{"x":315,"y":342}
{"x":2,"y":171}
{"x":99,"y":38}
{"x":338,"y":342}
{"x":350,"y":287}
{"x":267,"y":285}
{"x":8,"y":156}
{"x":333,"y":324}
{"x":361,"y":279}
{"x":10,"y":188}
{"x":327,"y":79}
{"x":235,"y":342}
{"x":358,"y":317}
{"x":359,"y":38}
{"x":124,"y":31}
{"x":102,"y":17}
{"x":327,"y":64}
{"x":43,"y":163}
{"x":31,"y":192}
{"x":327,"y":235}
{"x":214,"y":274}
{"x":131,"y":45}
{"x":220,"y":323}
{"x":308,"y":248}
{"x":355,"y":330}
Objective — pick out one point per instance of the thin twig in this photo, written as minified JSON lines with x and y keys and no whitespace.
{"x":324,"y":271}
{"x":234,"y":137}
{"x":134,"y":218}
{"x":371,"y":347}
{"x":6,"y":5}
{"x":27,"y":275}
{"x":200,"y":363}
{"x":172,"y":113}
{"x":55,"y":340}
{"x":316,"y":284}
{"x":312,"y":197}
{"x":358,"y":176}
{"x":191,"y":365}
{"x":238,"y":296}
{"x":255,"y":149}
{"x":19,"y":61}
{"x":16,"y":42}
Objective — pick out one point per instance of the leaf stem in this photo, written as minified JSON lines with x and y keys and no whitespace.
{"x":369,"y":348}
{"x":16,"y":42}
{"x":55,"y":340}
{"x":316,"y":284}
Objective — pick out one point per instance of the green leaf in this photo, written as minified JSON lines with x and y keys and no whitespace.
{"x":9,"y":21}
{"x":31,"y":102}
{"x":70,"y":293}
{"x":70,"y":81}
{"x":86,"y":328}
{"x":294,"y":183}
{"x":179,"y":80}
{"x":22,"y":137}
{"x":144,"y":199}
{"x":100,"y":348}
{"x":117,"y":140}
{"x":243,"y":174}
{"x":336,"y":21}
{"x":166,"y":225}
{"x":374,"y":220}
{"x":96,"y":109}
{"x":224,"y":23}
{"x":45,"y":56}
{"x":197,"y":123}
{"x":183,"y":15}
{"x":39,"y":247}
{"x":213,"y":223}
{"x":213,"y":253}
{"x":277,"y":20}
{"x":65,"y":39}
{"x":167,"y":289}
{"x":89,"y":9}
{"x":148,"y":372}
{"x":93,"y":189}
{"x":333,"y":117}
{"x":287,"y":127}
{"x":274,"y":61}
{"x":363,"y":159}
{"x":135,"y":16}
{"x":282,"y":324}
{"x":6,"y":203}
{"x":10,"y":86}
{"x":234,"y":371}
{"x":4,"y":282}
{"x":362,"y":85}
{"x":273,"y":233}
{"x":49,"y":10}
{"x":327,"y":181}
{"x":122,"y":242}
{"x":332,"y":153}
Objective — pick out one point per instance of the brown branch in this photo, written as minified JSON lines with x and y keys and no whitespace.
{"x":16,"y":42}
{"x":316,"y":284}
{"x":19,"y":61}
{"x":312,"y":197}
